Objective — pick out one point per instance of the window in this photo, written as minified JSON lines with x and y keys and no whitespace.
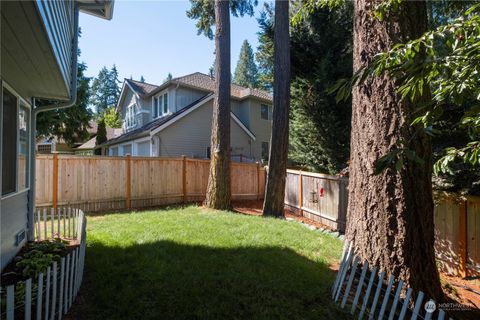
{"x":127,"y":149}
{"x":266,"y":112}
{"x":265,"y":151}
{"x":23,"y":146}
{"x":130,"y":116}
{"x":160,"y":105}
{"x":155,"y":109}
{"x":114,"y":151}
{"x":15,"y":144}
{"x":9,"y":143}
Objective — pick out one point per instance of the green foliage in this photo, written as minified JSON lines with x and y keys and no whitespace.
{"x":35,"y":262}
{"x":112,"y":118}
{"x":101,"y":135}
{"x":142,"y":79}
{"x":439,"y":72}
{"x":246,"y":72}
{"x":105,"y":89}
{"x":320,"y":54}
{"x":168,"y":78}
{"x":204,"y":12}
{"x":69,"y":124}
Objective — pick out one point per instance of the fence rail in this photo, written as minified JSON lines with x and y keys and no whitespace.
{"x":115,"y":183}
{"x":50,"y":295}
{"x":368,"y":292}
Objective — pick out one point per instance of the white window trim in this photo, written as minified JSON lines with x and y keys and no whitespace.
{"x":160,"y":98}
{"x":269,"y":113}
{"x":127,"y":115}
{"x":20,"y":100}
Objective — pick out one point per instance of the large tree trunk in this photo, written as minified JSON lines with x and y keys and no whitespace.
{"x":218,"y":189}
{"x":277,"y":165}
{"x":390,"y":215}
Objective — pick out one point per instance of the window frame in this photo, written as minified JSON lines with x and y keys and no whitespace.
{"x":268,"y":151}
{"x":24,"y":102}
{"x":269,"y":112}
{"x":160,"y":105}
{"x":130,"y":116}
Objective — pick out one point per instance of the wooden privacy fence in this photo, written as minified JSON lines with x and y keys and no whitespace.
{"x":114,"y":183}
{"x":457,"y":234}
{"x":369,"y":294}
{"x":50,"y":295}
{"x":319,"y":197}
{"x":324,"y":198}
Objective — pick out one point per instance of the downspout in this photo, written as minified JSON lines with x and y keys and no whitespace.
{"x":33,"y":122}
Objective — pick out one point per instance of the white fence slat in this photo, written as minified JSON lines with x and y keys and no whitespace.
{"x":10,"y":302}
{"x":45,"y":223}
{"x":58,"y":222}
{"x":406,"y":301}
{"x":39,"y":232}
{"x":72,"y":273}
{"x":65,"y":290}
{"x":343,"y":274}
{"x":39,"y":296}
{"x":62,"y":280}
{"x":28,"y":299}
{"x":350,"y":281}
{"x":64,"y":216}
{"x":367,"y":293}
{"x":69,"y":210}
{"x":346,"y":249}
{"x":77,"y":272}
{"x":359,"y":287}
{"x":54,"y":290}
{"x":395,"y":300}
{"x":377,"y":295}
{"x":52,"y":214}
{"x":441,"y":314}
{"x":418,"y":304}
{"x":386,"y":297}
{"x":47,"y":294}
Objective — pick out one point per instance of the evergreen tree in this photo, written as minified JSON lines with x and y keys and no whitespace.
{"x":246,"y":72}
{"x":142,"y":79}
{"x":168,"y":78}
{"x":101,"y":136}
{"x":69,"y":124}
{"x":105,"y":89}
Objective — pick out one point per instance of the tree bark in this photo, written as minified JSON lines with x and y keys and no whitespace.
{"x":391,"y":214}
{"x":277,"y":165}
{"x":218,"y":189}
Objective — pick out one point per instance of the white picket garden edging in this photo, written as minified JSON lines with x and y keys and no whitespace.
{"x":58,"y":287}
{"x":355,"y":284}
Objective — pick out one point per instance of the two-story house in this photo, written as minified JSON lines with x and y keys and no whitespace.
{"x":39,"y":49}
{"x":175,"y":119}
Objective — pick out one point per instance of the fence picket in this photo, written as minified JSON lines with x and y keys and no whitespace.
{"x":54,"y":290}
{"x":441,"y":314}
{"x":345,"y":253}
{"x":39,"y":296}
{"x":406,"y":301}
{"x":350,"y":280}
{"x":45,"y":223}
{"x":62,"y":280}
{"x":28,"y":299}
{"x":64,"y":215}
{"x":386,"y":297}
{"x":39,"y":233}
{"x":418,"y":303}
{"x":58,"y":223}
{"x":65,"y":290}
{"x":377,"y":295}
{"x":395,"y":300}
{"x":359,"y":287}
{"x":10,"y":302}
{"x":72,"y":273}
{"x":69,"y":213}
{"x":47,"y":294}
{"x":343,"y":274}
{"x":367,"y":293}
{"x":52,"y":212}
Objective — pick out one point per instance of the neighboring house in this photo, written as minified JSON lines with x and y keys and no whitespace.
{"x":175,"y":118}
{"x":39,"y":60}
{"x":88,"y":148}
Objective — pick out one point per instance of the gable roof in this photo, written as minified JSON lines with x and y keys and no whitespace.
{"x":143,"y":89}
{"x":162,"y":122}
{"x":90,"y":144}
{"x":205,"y":82}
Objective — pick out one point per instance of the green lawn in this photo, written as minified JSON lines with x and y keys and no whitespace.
{"x":191,"y":263}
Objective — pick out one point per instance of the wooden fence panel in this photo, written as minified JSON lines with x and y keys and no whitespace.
{"x":116,"y":183}
{"x":473,"y":234}
{"x":446,"y":234}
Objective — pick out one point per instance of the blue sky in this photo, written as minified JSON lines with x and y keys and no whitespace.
{"x":153,"y":38}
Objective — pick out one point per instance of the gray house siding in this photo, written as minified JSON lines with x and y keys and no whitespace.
{"x":14,"y":219}
{"x":185,"y":96}
{"x":260,"y":127}
{"x":190,"y":135}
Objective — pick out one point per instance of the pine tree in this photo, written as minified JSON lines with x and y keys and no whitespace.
{"x":246,"y":72}
{"x":101,"y":136}
{"x":142,"y":79}
{"x":168,"y":78}
{"x":105,"y":89}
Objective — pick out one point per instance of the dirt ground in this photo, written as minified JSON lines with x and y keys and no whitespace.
{"x":465,"y":291}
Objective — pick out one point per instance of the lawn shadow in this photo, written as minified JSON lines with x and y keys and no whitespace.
{"x":169,"y":280}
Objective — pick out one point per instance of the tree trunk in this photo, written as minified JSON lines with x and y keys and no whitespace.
{"x":277,"y":165}
{"x":218,"y":189}
{"x":390,"y":215}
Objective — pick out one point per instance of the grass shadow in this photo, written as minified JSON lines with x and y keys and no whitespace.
{"x":170,"y":280}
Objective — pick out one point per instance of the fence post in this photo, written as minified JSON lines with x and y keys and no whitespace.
{"x":184,"y":178}
{"x":129,"y":183}
{"x":55,"y":181}
{"x":300,"y":192}
{"x":462,"y":238}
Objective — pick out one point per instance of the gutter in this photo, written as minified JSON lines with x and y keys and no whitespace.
{"x":33,"y":121}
